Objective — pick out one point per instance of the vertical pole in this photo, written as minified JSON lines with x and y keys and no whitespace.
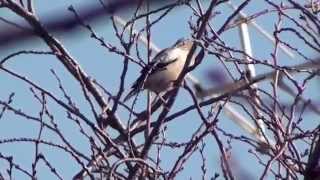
{"x":246,"y":46}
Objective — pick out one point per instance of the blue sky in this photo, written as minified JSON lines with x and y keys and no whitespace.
{"x":106,"y":68}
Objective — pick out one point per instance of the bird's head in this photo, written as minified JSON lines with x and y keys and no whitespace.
{"x":184,"y":44}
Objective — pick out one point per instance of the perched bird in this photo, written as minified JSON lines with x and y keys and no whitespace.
{"x":160,"y":74}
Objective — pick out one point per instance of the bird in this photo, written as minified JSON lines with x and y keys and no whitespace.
{"x":160,"y":74}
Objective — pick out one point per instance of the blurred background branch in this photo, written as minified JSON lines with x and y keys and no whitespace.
{"x":62,"y":22}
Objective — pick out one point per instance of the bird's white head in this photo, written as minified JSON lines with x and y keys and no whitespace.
{"x":184,"y":44}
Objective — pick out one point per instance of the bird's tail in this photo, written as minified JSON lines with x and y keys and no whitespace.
{"x":132,"y":93}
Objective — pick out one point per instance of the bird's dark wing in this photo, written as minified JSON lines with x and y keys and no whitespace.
{"x":162,"y":54}
{"x":148,"y":70}
{"x":159,"y":63}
